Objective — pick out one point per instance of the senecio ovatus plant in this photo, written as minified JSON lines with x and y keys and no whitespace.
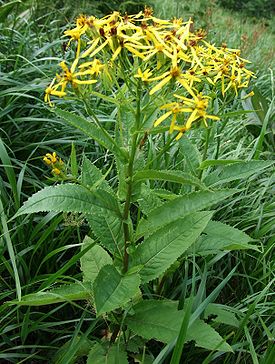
{"x":157,"y":79}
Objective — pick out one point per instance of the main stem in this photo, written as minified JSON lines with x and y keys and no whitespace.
{"x":129,"y":182}
{"x":206,"y":144}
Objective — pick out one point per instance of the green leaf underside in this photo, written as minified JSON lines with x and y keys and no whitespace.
{"x":69,"y":198}
{"x":236,"y":171}
{"x":169,"y":176}
{"x":88,"y":128}
{"x":161,"y":249}
{"x":113,"y":290}
{"x":67,"y":292}
{"x":161,"y":320}
{"x":180,"y":207}
{"x":103,"y":354}
{"x":93,"y":260}
{"x":221,"y":314}
{"x":219,"y":236}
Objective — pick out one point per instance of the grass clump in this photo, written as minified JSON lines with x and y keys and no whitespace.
{"x":230,"y":290}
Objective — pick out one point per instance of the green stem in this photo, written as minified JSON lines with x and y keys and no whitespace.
{"x":208,"y":130}
{"x":129,"y":181}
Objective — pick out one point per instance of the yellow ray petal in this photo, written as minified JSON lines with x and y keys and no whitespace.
{"x":162,"y":118}
{"x":160,"y":85}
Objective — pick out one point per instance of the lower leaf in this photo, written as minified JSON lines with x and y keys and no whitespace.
{"x":161,"y":320}
{"x":67,"y":292}
{"x":113,"y":290}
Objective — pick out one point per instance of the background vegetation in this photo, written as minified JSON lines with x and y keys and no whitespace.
{"x":40,"y":251}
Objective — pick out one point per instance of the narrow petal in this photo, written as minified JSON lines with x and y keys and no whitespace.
{"x":162,"y":118}
{"x":160,"y":85}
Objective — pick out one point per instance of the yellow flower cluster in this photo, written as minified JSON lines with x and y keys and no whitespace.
{"x":167,"y":54}
{"x":54,"y":162}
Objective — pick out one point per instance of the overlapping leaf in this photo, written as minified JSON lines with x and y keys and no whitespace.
{"x":69,"y":198}
{"x":161,"y":320}
{"x":161,"y":249}
{"x":94,"y":132}
{"x":93,"y":260}
{"x":67,"y":292}
{"x":113,"y":290}
{"x":180,"y":207}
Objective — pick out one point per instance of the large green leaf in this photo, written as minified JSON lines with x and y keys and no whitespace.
{"x":161,"y":320}
{"x":169,"y":176}
{"x":106,"y":225}
{"x":161,"y":249}
{"x":221,"y":314}
{"x":92,"y":177}
{"x":219,"y":236}
{"x":217,"y":162}
{"x":191,"y":154}
{"x":67,"y":292}
{"x":113,"y":290}
{"x":100,"y":135}
{"x":105,"y":354}
{"x":180,"y":207}
{"x":93,"y":260}
{"x":69,"y":198}
{"x":236,"y":171}
{"x":148,"y":200}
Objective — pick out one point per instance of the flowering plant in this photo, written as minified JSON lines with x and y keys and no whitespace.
{"x":160,"y":76}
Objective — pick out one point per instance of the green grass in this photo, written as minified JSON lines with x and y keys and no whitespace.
{"x":39,"y":250}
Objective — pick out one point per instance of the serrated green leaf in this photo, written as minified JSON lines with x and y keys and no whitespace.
{"x":206,"y":337}
{"x":169,"y":176}
{"x":113,"y":290}
{"x":93,"y":260}
{"x":221,"y":314}
{"x":91,"y":176}
{"x":218,"y":162}
{"x":69,"y":198}
{"x":161,"y":249}
{"x":107,"y":227}
{"x":219,"y":236}
{"x":103,"y":354}
{"x":92,"y":131}
{"x":191,"y":154}
{"x":67,"y":292}
{"x":236,"y":171}
{"x":161,"y":320}
{"x":180,"y":207}
{"x":148,"y":200}
{"x":121,"y":173}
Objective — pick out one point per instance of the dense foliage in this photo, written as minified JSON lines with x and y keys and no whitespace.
{"x":45,"y":258}
{"x":257,"y":8}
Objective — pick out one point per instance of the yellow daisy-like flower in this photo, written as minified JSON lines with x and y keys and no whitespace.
{"x":54,"y":162}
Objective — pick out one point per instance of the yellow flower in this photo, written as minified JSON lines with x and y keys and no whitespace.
{"x":54,"y":162}
{"x":50,"y":158}
{"x":144,"y":76}
{"x":198,"y":106}
{"x":56,"y":171}
{"x":52,"y":90}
